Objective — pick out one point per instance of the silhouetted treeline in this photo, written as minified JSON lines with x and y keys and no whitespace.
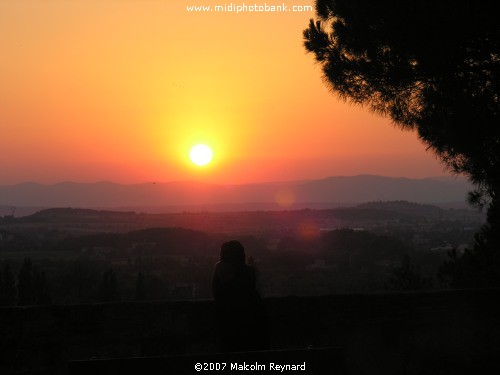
{"x":340,"y":261}
{"x":177,"y":263}
{"x":28,"y":288}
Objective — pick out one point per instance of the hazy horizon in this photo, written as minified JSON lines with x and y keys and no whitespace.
{"x":281,"y":195}
{"x":302,"y":180}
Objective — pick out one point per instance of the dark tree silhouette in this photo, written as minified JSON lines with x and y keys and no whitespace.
{"x":108,"y":291}
{"x":140,"y":288}
{"x":25,"y":286}
{"x":472,"y":268}
{"x":8,"y":290}
{"x":32,"y":285}
{"x":431,"y":66}
{"x":409,"y":277}
{"x":40,"y":288}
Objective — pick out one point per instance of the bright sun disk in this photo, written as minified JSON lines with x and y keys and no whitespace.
{"x":201,"y":154}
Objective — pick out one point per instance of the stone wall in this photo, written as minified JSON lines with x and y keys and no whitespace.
{"x":402,"y":333}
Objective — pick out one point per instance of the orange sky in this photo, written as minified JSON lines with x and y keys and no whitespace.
{"x":119,"y":90}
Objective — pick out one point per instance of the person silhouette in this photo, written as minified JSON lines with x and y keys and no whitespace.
{"x":242,"y":317}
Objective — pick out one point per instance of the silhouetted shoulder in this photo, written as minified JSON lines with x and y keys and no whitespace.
{"x":242,"y":318}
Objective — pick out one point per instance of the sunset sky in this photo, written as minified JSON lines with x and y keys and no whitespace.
{"x":119,"y":90}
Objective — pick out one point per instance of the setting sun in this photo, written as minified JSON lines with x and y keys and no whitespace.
{"x":138,"y":108}
{"x":201,"y":154}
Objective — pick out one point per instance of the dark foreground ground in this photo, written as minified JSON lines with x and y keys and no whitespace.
{"x":450,"y":332}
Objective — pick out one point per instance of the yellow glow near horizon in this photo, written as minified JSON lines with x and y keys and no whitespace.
{"x":201,"y":154}
{"x":112,"y":90}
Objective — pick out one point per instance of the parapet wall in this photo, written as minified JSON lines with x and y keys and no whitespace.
{"x":412,"y":333}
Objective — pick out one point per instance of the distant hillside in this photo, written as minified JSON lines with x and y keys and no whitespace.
{"x":330,"y":191}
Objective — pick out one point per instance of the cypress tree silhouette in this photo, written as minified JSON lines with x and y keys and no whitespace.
{"x":108,"y":291}
{"x":140,"y":288}
{"x":8,"y":290}
{"x":432,"y":67}
{"x":26,"y":293}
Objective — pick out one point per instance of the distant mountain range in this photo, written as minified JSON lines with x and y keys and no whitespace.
{"x":179,"y":196}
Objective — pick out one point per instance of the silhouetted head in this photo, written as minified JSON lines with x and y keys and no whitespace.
{"x":232,"y":252}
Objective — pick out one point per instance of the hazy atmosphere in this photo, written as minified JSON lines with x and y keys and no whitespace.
{"x":294,"y":187}
{"x":121,"y":90}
